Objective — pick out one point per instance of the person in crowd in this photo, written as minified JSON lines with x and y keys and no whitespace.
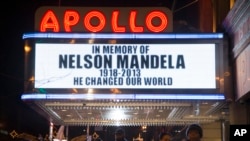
{"x":120,"y":135}
{"x":194,"y":132}
{"x":165,"y":136}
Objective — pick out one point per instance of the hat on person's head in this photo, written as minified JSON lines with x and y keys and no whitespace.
{"x":119,"y":131}
{"x":194,"y":127}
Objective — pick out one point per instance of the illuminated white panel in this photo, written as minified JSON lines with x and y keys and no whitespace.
{"x":132,"y":66}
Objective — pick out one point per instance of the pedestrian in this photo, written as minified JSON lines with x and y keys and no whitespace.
{"x":120,"y":135}
{"x":165,"y":136}
{"x":194,"y":132}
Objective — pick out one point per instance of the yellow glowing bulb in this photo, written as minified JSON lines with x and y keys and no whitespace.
{"x":27,"y":49}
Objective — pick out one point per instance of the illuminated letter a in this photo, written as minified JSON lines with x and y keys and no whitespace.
{"x":49,"y":21}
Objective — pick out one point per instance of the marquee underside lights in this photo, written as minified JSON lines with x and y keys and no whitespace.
{"x":130,"y":112}
{"x":103,"y":19}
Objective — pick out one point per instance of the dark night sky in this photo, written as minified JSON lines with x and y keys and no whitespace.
{"x":17,"y":17}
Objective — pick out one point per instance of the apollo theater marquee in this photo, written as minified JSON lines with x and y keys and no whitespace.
{"x":117,"y":53}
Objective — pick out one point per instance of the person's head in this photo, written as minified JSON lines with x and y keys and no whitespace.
{"x":194,"y":132}
{"x":119,"y":134}
{"x":165,"y":136}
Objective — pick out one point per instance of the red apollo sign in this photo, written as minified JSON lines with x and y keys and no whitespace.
{"x":103,"y":19}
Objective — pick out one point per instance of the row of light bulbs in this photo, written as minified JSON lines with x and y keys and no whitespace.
{"x":110,"y":108}
{"x":120,"y":123}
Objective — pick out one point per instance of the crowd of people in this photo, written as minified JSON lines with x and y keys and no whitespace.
{"x":194,"y":132}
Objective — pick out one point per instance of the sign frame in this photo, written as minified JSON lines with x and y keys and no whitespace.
{"x":120,"y":38}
